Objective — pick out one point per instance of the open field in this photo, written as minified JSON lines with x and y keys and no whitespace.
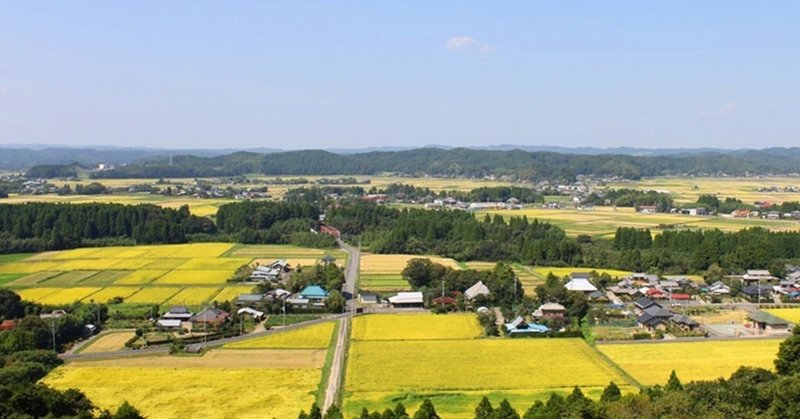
{"x":789,"y":314}
{"x":317,"y":336}
{"x":721,"y":316}
{"x":602,"y":222}
{"x":686,"y":190}
{"x":416,"y":326}
{"x":651,"y":363}
{"x":109,"y":342}
{"x":455,"y":374}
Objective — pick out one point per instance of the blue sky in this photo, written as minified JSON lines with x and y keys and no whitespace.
{"x":360,"y":74}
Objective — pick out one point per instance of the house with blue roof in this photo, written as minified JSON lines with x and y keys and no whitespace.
{"x":314,"y":294}
{"x":519,"y":327}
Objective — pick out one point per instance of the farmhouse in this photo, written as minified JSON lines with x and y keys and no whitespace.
{"x":580,"y":285}
{"x":754,"y":275}
{"x":654,"y":317}
{"x":314,"y":294}
{"x":643,"y":304}
{"x":519,"y":326}
{"x":368,"y":298}
{"x":327,"y":260}
{"x":168,"y":324}
{"x":265,"y":273}
{"x":767,"y":323}
{"x":478,"y":289}
{"x":255,"y":314}
{"x":179,"y":313}
{"x":550,"y":311}
{"x":248,"y":300}
{"x":210,"y":317}
{"x":407,"y":299}
{"x":756,"y":291}
{"x":684,"y":322}
{"x":647,"y":209}
{"x":719,"y":288}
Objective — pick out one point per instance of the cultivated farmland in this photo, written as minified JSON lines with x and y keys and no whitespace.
{"x":789,"y":314}
{"x":108,"y":342}
{"x":651,"y":363}
{"x":383,"y":272}
{"x":191,"y":274}
{"x":455,"y":369}
{"x":311,"y":337}
{"x":421,"y":326}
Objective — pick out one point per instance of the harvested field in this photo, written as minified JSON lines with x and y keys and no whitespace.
{"x":109,"y":342}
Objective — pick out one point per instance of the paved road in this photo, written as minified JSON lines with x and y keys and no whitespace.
{"x":342,"y":340}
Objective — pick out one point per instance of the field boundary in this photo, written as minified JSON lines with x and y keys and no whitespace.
{"x":624,"y":374}
{"x":326,"y":366}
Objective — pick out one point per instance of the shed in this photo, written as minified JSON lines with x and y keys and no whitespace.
{"x":767,"y":322}
{"x":580,"y":285}
{"x":407,"y":299}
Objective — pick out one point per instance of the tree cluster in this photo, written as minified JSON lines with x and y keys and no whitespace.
{"x":35,"y":227}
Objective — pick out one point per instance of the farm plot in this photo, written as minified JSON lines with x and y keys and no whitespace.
{"x":68,"y":278}
{"x":6,"y":278}
{"x":68,"y":295}
{"x":153,"y":295}
{"x":543,"y":271}
{"x":527,"y":278}
{"x":317,"y":336}
{"x":143,"y":276}
{"x":539,"y":366}
{"x":199,"y":277}
{"x":383,"y":272}
{"x":193,"y":296}
{"x":215,"y":392}
{"x":422,"y":326}
{"x":108,"y":293}
{"x":33,"y":279}
{"x":791,"y":315}
{"x":652,"y":363}
{"x":230,"y":293}
{"x":108,"y":342}
{"x":229,"y":264}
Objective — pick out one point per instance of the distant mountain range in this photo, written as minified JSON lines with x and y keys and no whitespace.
{"x":521,"y":162}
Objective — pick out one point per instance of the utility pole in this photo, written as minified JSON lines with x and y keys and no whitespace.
{"x":53,"y":329}
{"x":284,"y":312}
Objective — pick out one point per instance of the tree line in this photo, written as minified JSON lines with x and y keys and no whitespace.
{"x":456,"y":234}
{"x":35,"y":227}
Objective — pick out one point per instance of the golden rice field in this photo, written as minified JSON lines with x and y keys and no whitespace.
{"x":415,"y":326}
{"x":108,"y":293}
{"x":465,"y":370}
{"x":372,"y":264}
{"x":200,"y":207}
{"x":169,"y":392}
{"x":108,"y":342}
{"x":230,"y":293}
{"x":67,"y":295}
{"x":190,"y":274}
{"x":193,"y":296}
{"x":317,"y":336}
{"x":198,"y":277}
{"x":480,"y":266}
{"x":153,"y":295}
{"x":144,"y":276}
{"x":791,"y":315}
{"x":562,"y":272}
{"x":602,"y":222}
{"x":652,"y":363}
{"x":527,"y":278}
{"x":685,"y":190}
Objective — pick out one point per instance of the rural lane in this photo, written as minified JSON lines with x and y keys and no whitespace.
{"x":335,"y":376}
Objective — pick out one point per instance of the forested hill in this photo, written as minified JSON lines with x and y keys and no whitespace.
{"x":470,"y":163}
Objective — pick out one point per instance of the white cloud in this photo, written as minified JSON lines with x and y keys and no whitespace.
{"x":460,"y":43}
{"x":727,"y":108}
{"x":469,"y":44}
